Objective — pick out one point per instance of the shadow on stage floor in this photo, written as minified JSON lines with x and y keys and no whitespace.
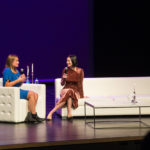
{"x":66,"y":135}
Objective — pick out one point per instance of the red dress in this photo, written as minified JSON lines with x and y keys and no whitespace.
{"x":73,"y":86}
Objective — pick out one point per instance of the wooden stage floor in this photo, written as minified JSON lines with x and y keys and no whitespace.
{"x":62,"y":132}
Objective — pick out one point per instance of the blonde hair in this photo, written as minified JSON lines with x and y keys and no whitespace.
{"x":10,"y":60}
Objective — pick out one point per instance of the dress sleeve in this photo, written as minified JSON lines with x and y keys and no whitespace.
{"x":80,"y":83}
{"x":63,"y":81}
{"x":6,"y":76}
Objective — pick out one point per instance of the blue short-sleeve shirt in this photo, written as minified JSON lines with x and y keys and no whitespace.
{"x":8,"y":75}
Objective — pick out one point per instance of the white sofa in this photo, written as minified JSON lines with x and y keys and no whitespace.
{"x":12,"y":109}
{"x":109,"y":89}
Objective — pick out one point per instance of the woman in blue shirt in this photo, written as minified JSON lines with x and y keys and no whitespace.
{"x":13,"y":78}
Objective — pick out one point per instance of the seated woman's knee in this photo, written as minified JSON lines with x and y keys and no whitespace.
{"x":30,"y":94}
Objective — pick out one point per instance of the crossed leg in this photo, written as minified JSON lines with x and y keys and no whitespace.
{"x":60,"y":105}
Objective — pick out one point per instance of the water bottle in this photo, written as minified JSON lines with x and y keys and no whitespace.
{"x":27,"y":81}
{"x":36,"y":81}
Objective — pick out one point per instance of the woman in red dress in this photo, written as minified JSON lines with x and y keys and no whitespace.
{"x":72,"y":80}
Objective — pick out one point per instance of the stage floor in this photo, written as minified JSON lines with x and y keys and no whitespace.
{"x":63,"y":132}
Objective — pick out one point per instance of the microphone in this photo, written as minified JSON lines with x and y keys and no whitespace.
{"x":66,"y":70}
{"x":21,"y":71}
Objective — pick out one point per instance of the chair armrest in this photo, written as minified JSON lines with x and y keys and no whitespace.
{"x":40,"y":89}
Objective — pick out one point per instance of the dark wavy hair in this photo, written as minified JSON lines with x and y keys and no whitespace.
{"x":73,"y":60}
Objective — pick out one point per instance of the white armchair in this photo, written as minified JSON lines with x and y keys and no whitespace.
{"x":12,"y":109}
{"x":1,"y":82}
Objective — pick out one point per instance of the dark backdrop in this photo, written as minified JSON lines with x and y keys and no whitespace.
{"x":119,"y":44}
{"x":45,"y":32}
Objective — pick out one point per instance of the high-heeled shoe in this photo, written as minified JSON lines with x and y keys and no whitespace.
{"x":49,"y":119}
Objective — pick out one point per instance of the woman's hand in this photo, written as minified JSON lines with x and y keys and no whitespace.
{"x":64,"y":76}
{"x":63,"y":80}
{"x":22,"y":78}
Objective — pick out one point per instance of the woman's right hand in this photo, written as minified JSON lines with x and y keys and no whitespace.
{"x":65,"y":76}
{"x":21,"y":78}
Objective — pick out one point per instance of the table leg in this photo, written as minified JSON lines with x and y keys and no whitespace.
{"x":94,"y":116}
{"x":139,"y":114}
{"x":85,"y":112}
